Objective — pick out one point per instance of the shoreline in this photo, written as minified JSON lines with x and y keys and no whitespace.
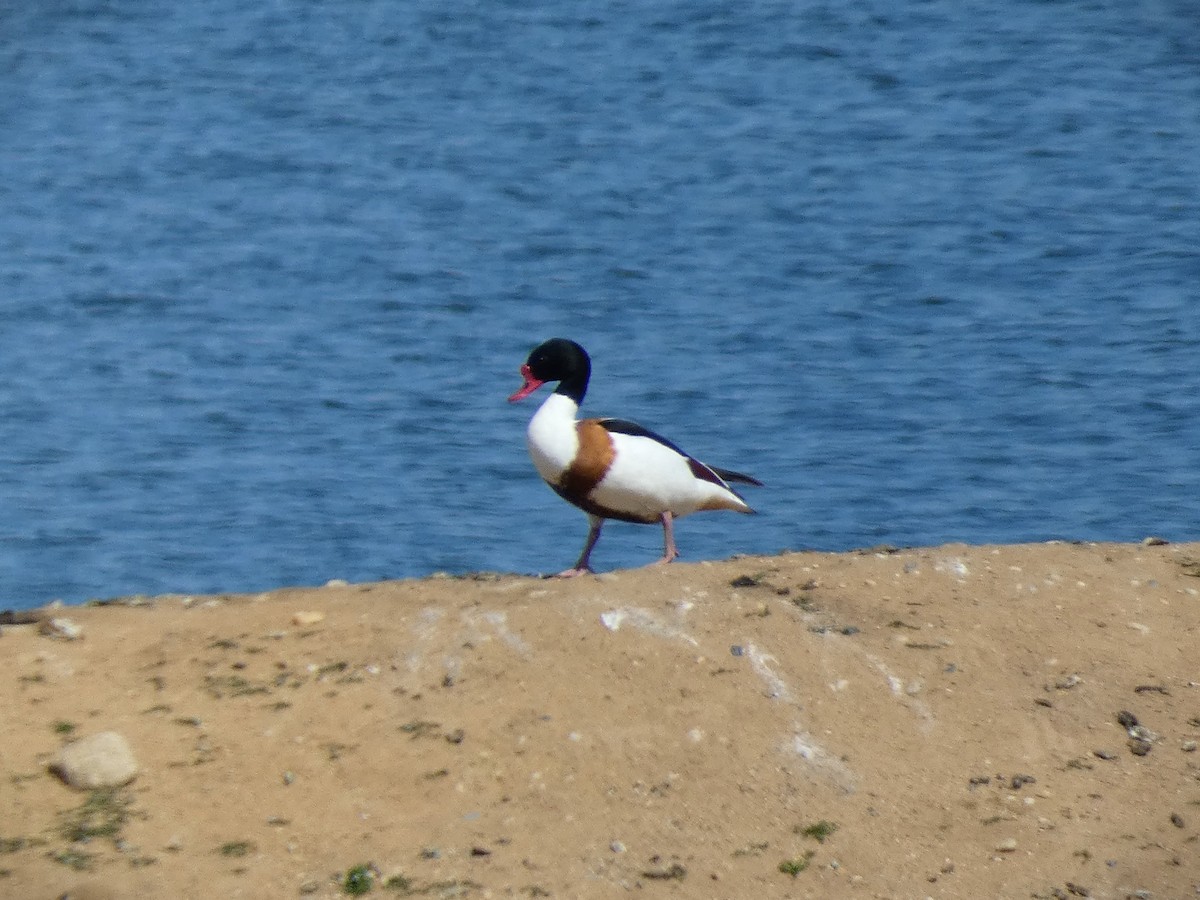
{"x":938,"y":721}
{"x":141,"y":598}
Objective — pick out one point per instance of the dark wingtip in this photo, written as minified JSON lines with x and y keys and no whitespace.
{"x":737,"y":477}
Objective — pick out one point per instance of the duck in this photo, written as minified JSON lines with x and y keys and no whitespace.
{"x":613,"y":468}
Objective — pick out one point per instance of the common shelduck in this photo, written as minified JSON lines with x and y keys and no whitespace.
{"x":611,"y":468}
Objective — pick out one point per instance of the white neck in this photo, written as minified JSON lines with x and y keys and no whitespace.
{"x":553,"y":441}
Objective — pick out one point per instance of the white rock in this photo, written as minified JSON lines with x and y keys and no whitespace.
{"x":61,"y":629}
{"x":308,"y":617}
{"x":103,"y":760}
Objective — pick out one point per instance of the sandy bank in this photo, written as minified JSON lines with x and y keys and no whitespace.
{"x":937,"y":722}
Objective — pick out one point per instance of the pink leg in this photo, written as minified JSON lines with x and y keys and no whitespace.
{"x":583,"y":565}
{"x":669,"y":551}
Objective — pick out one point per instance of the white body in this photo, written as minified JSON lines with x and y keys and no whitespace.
{"x":646,"y":478}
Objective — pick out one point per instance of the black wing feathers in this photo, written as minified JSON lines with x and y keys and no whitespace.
{"x":738,"y":477}
{"x":624,"y":426}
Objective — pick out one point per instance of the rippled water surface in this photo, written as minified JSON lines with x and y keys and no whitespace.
{"x":267,"y":271}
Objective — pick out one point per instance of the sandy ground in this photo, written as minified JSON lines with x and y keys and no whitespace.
{"x":938,"y":722}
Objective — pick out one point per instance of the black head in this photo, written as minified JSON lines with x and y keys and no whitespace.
{"x":561,"y":360}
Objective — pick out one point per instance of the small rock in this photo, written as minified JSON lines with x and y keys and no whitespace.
{"x":1127,"y":719}
{"x":616,"y":847}
{"x":673,"y":872}
{"x":1188,"y":746}
{"x":103,"y":760}
{"x":308,"y":617}
{"x":1008,"y":845}
{"x":21,"y":617}
{"x":1177,"y":820}
{"x":1143,"y":733}
{"x":1154,"y":541}
{"x":61,"y":629}
{"x":1104,"y":754}
{"x":1139,"y":746}
{"x":612,"y":619}
{"x":1152,"y":689}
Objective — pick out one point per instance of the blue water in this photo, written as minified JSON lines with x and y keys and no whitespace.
{"x":267,"y":271}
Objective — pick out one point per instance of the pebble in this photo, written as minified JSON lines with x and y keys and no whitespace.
{"x":1008,"y":845}
{"x":1188,"y":746}
{"x":61,"y":629}
{"x":102,"y":760}
{"x":612,"y":620}
{"x":1139,"y":747}
{"x":1127,"y":719}
{"x":308,"y":617}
